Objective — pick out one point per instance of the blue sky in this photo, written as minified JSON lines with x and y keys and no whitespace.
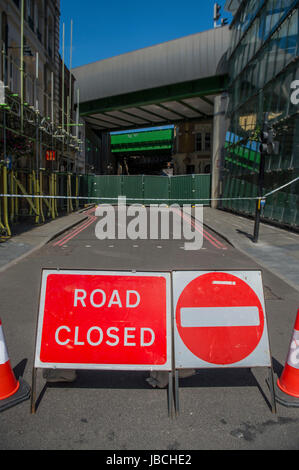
{"x":103,"y":29}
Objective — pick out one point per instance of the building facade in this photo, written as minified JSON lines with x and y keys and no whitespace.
{"x":263,"y":69}
{"x":193,"y":148}
{"x":35,"y":116}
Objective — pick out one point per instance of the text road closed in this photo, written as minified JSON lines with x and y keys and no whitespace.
{"x":94,"y":319}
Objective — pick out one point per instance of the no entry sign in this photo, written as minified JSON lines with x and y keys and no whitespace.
{"x":104,"y":320}
{"x":219,"y":319}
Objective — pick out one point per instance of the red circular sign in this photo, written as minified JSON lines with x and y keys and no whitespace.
{"x":205,"y":333}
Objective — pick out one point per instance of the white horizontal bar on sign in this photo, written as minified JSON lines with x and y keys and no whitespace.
{"x":228,"y":283}
{"x":193,"y":317}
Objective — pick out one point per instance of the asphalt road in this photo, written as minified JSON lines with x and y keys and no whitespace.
{"x":221,"y":409}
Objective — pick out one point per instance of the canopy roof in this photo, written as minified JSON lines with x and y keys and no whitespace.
{"x":167,"y":83}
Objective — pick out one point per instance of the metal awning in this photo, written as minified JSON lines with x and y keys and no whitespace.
{"x":165,"y":84}
{"x":153,"y":114}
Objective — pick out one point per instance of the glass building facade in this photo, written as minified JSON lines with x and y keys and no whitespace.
{"x":263,"y":66}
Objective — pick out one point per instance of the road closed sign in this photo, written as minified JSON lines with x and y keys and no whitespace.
{"x":104,"y":320}
{"x":219,"y":319}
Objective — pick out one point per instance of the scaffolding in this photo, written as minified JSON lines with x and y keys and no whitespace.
{"x":39,"y":145}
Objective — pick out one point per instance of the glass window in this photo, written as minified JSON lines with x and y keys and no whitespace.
{"x":207,"y":168}
{"x":244,"y":53}
{"x":207,"y":141}
{"x":250,"y":89}
{"x":253,"y":39}
{"x":277,"y":12}
{"x":269,"y":16}
{"x":281,"y":47}
{"x":277,"y":103}
{"x":238,"y":59}
{"x":292,"y":40}
{"x":271,"y":51}
{"x":198,"y":142}
{"x":292,"y":75}
{"x":267,"y":99}
{"x":285,"y":82}
{"x":244,"y":87}
{"x":255,"y":74}
{"x":190,"y":169}
{"x":261,"y":27}
{"x":295,"y":149}
{"x":285,"y":6}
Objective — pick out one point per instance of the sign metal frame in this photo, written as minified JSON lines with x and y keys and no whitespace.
{"x":167,"y":367}
{"x":172,"y":296}
{"x":180,"y":280}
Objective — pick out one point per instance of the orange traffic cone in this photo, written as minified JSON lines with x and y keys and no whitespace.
{"x":288,"y":383}
{"x":12,"y":391}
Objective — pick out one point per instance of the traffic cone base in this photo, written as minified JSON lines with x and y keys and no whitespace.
{"x":287,"y":386}
{"x":289,"y":382}
{"x":284,"y":398}
{"x":23,"y":393}
{"x":8,"y":383}
{"x":12,"y":391}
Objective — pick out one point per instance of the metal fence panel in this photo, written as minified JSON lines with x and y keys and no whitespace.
{"x":132,"y":188}
{"x":146,"y":189}
{"x":202,"y":188}
{"x":156,"y":189}
{"x":182,"y":189}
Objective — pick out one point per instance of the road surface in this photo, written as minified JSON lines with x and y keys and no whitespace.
{"x":117,"y":410}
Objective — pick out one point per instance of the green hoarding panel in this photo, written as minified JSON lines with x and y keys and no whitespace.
{"x":181,"y":189}
{"x":202,"y":189}
{"x":132,"y":188}
{"x":107,"y":187}
{"x":146,"y":189}
{"x":156,"y":189}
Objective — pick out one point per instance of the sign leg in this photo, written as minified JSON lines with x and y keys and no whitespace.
{"x":33,"y":390}
{"x":170,"y":394}
{"x":177,"y":403}
{"x":272,"y":391}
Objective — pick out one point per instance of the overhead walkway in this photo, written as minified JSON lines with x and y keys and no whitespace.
{"x":172,"y":82}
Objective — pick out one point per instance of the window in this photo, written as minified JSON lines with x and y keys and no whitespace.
{"x":198,"y":142}
{"x":50,"y":35}
{"x":190,"y":169}
{"x":207,"y":141}
{"x":270,"y":15}
{"x":270,"y":57}
{"x":281,"y":47}
{"x":30,"y":13}
{"x":292,"y":40}
{"x":38,"y":20}
{"x":203,"y":142}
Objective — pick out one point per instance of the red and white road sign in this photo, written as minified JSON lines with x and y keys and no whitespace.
{"x":104,"y":320}
{"x":220,"y":319}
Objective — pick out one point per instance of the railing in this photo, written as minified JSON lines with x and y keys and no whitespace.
{"x":35,"y":196}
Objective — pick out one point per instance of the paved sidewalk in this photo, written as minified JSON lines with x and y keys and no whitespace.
{"x":276,"y":250}
{"x":23,"y":244}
